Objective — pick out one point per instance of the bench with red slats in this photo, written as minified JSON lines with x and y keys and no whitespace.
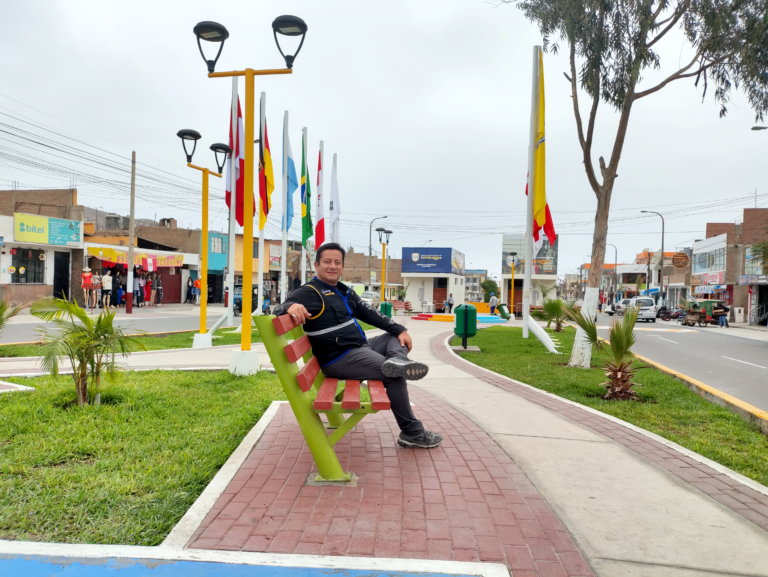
{"x":298,"y":384}
{"x":402,"y":306}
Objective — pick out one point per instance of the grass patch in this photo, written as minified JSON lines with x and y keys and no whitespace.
{"x":667,"y":408}
{"x":127,"y":471}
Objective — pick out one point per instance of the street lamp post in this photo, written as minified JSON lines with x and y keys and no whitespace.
{"x":384,"y":240}
{"x":662,"y":293}
{"x":187,"y":135}
{"x":370,"y":250}
{"x":216,"y":33}
{"x":426,"y":243}
{"x":512,"y":285}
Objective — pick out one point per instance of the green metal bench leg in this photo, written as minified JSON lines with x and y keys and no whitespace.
{"x":345,"y":428}
{"x":311,"y":425}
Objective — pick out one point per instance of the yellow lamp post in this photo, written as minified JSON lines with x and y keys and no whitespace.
{"x":512,"y":295}
{"x":384,"y":240}
{"x":215,"y":32}
{"x":188,"y":135}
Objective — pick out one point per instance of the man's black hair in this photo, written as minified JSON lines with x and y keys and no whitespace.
{"x":330,"y":246}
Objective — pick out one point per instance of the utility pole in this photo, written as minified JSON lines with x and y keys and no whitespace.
{"x":131,"y":239}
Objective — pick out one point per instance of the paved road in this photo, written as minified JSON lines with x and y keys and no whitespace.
{"x":734,"y":364}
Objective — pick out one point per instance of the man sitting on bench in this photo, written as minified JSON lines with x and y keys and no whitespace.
{"x":329,"y":311}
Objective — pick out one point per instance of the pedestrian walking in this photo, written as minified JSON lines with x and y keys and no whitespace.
{"x":190,"y":287}
{"x":196,"y":286}
{"x":493,"y":302}
{"x":136,"y":293}
{"x":449,"y":303}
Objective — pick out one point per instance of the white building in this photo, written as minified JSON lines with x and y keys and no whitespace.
{"x":544,"y":271}
{"x":432,"y":274}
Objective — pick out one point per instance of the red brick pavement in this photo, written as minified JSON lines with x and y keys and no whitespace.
{"x":745,"y":501}
{"x":464,"y":501}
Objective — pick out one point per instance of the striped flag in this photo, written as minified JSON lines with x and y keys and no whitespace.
{"x":306,"y":196}
{"x":320,"y":225}
{"x":293,"y":183}
{"x":238,"y":152}
{"x":266,"y":175}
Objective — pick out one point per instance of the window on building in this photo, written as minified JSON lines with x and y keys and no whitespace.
{"x":30,"y":269}
{"x":217,"y":244}
{"x":255,"y":249}
{"x":441,"y":283}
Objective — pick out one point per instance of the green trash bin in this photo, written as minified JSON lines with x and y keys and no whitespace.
{"x":465,"y":323}
{"x":386,"y":308}
{"x":502,"y":308}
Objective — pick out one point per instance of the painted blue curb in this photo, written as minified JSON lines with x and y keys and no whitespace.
{"x":49,"y":566}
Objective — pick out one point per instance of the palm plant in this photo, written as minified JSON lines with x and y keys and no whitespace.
{"x":91,"y":345}
{"x":552,"y":311}
{"x":7,"y":312}
{"x":618,"y":365}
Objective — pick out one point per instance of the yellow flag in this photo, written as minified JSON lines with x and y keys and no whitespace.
{"x":539,"y":172}
{"x":266,"y":179}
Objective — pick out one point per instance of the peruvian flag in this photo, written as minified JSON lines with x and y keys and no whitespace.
{"x":320,"y":225}
{"x":238,"y":152}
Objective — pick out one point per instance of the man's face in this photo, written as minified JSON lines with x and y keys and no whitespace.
{"x":330,"y":266}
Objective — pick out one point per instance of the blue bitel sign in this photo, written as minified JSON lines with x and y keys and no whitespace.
{"x":432,"y":260}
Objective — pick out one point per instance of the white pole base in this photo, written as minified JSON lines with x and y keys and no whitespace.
{"x":201,"y":340}
{"x":244,"y":363}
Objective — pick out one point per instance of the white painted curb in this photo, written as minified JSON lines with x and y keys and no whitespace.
{"x":245,"y":558}
{"x":181,"y":534}
{"x":672,"y":445}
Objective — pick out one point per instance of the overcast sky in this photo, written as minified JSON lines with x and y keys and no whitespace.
{"x":426,"y":103}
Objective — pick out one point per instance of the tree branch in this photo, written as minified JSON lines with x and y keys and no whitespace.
{"x":669,"y":79}
{"x":586,"y":144}
{"x":675,"y":19}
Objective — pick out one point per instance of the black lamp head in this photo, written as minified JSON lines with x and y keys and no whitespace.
{"x":381,"y":231}
{"x":187,"y":135}
{"x":387,"y":232}
{"x":210,"y":32}
{"x":289,"y":26}
{"x":224,"y":150}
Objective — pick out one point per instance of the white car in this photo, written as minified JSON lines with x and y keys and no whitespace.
{"x":371,"y":298}
{"x":646,"y":308}
{"x":621,"y":306}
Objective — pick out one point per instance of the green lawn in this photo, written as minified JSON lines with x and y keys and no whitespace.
{"x":156,"y":342}
{"x":668,"y":408}
{"x":126,"y":471}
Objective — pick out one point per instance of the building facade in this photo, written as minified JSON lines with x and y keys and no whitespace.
{"x":543,"y":273}
{"x":431,"y":275}
{"x":474,"y":281}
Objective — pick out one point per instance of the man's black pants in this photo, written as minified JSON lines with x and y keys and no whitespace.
{"x":365,"y":363}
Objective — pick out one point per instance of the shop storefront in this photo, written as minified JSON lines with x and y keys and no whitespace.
{"x":37,"y":256}
{"x":168,"y":265}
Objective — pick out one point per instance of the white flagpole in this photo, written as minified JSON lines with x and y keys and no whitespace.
{"x":319,"y":192}
{"x":529,"y":204}
{"x":335,"y":213}
{"x":260,"y":280}
{"x":309,"y":204}
{"x":233,"y":165}
{"x":284,"y":253}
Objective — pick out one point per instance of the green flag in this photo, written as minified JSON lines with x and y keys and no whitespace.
{"x":306,"y":195}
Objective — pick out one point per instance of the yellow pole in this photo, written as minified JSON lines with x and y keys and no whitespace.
{"x":204,"y":259}
{"x":512,"y":296}
{"x":245,"y":337}
{"x":383,"y":271}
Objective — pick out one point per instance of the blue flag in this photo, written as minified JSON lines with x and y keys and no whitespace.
{"x":293,"y":182}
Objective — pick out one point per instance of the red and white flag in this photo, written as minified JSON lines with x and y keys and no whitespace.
{"x":320,"y":223}
{"x":549,"y":230}
{"x":238,"y":152}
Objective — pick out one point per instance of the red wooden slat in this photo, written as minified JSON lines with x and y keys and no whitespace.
{"x":297,"y":348}
{"x":379,"y":398}
{"x":326,"y":395}
{"x":308,"y":373}
{"x":283,"y":324}
{"x":351,"y":398}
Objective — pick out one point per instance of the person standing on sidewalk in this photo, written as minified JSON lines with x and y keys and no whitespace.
{"x":329,"y":311}
{"x":449,"y":303}
{"x":106,"y":289}
{"x":493,"y":302}
{"x":157,"y":290}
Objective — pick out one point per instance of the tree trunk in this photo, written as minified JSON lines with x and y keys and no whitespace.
{"x":82,"y":389}
{"x":581,"y":356}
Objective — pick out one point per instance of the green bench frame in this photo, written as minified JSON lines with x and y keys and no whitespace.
{"x":298,"y":383}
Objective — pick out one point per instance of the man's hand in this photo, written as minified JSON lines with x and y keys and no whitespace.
{"x":298,"y":313}
{"x":405,"y":340}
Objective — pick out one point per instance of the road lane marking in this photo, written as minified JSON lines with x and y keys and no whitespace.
{"x":663,"y":339}
{"x":745,"y":362}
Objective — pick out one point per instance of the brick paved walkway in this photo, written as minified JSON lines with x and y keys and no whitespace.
{"x":741,"y":499}
{"x":464,"y":501}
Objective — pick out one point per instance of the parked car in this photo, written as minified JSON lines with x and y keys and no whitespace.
{"x":646,"y":308}
{"x":621,"y":306}
{"x":371,"y":298}
{"x":238,"y":303}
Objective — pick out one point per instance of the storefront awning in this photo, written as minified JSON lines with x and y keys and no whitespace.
{"x":146,"y":260}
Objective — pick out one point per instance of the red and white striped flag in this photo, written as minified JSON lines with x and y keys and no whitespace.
{"x":320,"y":224}
{"x":238,"y":152}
